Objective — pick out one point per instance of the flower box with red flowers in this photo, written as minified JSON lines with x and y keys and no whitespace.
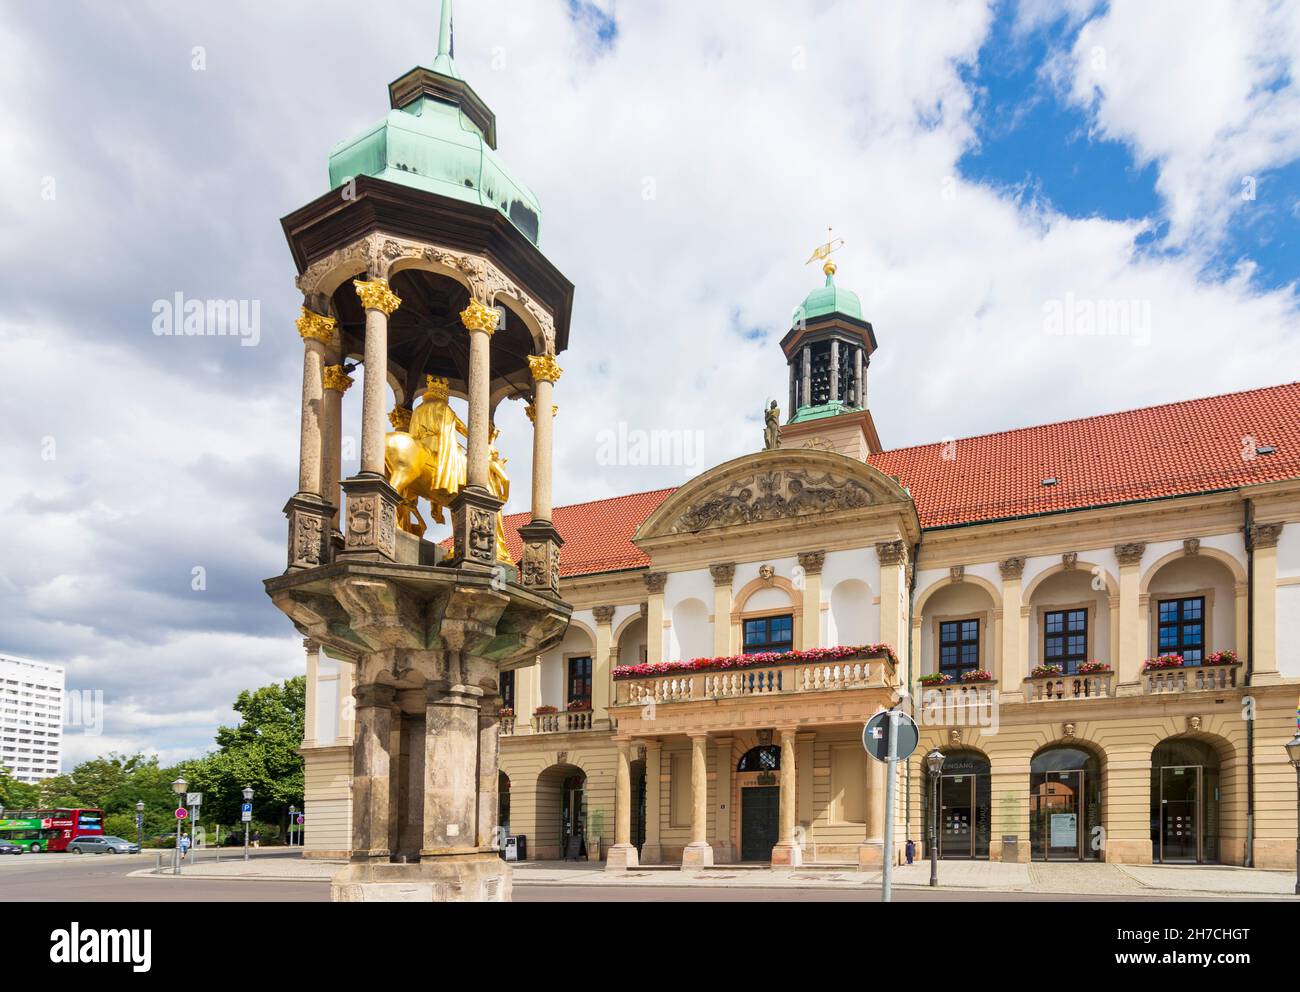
{"x":767,"y":658}
{"x":935,"y":678}
{"x":579,"y":706}
{"x":545,"y":711}
{"x":1045,"y":672}
{"x":1093,"y":668}
{"x":978,"y":675}
{"x":1225,"y":657}
{"x":1164,"y":661}
{"x":506,"y":712}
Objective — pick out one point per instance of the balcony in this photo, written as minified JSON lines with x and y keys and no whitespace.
{"x":1093,"y":685}
{"x":557,"y":722}
{"x":776,"y":678}
{"x":1192,"y":678}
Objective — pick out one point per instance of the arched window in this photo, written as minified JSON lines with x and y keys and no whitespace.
{"x":764,"y":758}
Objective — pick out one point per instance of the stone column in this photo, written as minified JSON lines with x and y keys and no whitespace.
{"x":451,"y":765}
{"x":600,"y":666}
{"x":481,"y":323}
{"x":651,"y":850}
{"x":698,"y":853}
{"x":307,"y":509}
{"x":489,"y":767}
{"x":337,"y":382}
{"x":859,"y":384}
{"x":1132,"y":633}
{"x":835,"y":370}
{"x":811,"y":562}
{"x":723,"y":575}
{"x":371,"y":772}
{"x":806,"y":356}
{"x":622,"y":855}
{"x":654,"y":624}
{"x":871,"y":851}
{"x":788,"y":853}
{"x":1015,"y":653}
{"x":542,"y":542}
{"x":379,"y":302}
{"x":722,"y":794}
{"x":1264,"y":538}
{"x":313,"y":686}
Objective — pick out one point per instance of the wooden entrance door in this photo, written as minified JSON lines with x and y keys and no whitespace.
{"x":759,"y":822}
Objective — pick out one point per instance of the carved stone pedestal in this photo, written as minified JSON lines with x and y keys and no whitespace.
{"x":478,"y":877}
{"x":620,"y":857}
{"x":371,"y":531}
{"x":787,"y":856}
{"x":474,"y":528}
{"x":540,"y":568}
{"x":309,"y":531}
{"x":697,"y":855}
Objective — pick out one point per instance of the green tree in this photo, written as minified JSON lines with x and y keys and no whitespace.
{"x":15,"y":794}
{"x":260,"y":751}
{"x":91,"y":783}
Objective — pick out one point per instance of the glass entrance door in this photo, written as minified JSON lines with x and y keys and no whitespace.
{"x":1180,"y":813}
{"x":956,"y":816}
{"x":1055,"y":805}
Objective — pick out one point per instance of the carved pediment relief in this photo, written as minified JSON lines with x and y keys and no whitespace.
{"x":772,"y":496}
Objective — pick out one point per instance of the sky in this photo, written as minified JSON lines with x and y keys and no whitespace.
{"x":992,"y":167}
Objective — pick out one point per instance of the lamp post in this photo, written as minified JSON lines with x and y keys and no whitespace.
{"x":934,"y":763}
{"x":1293,"y":752}
{"x":139,"y":825}
{"x":248,"y":798}
{"x":178,"y":787}
{"x":293,"y":814}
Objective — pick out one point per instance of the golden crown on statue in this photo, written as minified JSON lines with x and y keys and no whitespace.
{"x":437,"y":388}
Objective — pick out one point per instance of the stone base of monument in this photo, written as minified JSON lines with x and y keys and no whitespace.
{"x":480,"y":877}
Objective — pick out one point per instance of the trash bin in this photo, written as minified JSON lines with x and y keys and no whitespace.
{"x":1011,"y":848}
{"x":517,"y":848}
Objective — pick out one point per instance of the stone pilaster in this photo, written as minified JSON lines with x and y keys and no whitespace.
{"x":652,"y":850}
{"x":600,"y":665}
{"x":722,"y":766}
{"x":654,"y":584}
{"x":371,"y":772}
{"x":893,"y":556}
{"x":1015,"y":650}
{"x":811,"y":562}
{"x":1263,"y":539}
{"x":723,"y":575}
{"x":452,"y":771}
{"x":1132,"y":631}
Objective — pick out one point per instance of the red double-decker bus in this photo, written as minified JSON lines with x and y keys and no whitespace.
{"x":37,"y":830}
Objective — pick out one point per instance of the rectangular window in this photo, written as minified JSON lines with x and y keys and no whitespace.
{"x":959,"y":647}
{"x":1065,"y":639}
{"x":1182,"y":628}
{"x":769,"y":634}
{"x":507,"y":683}
{"x":579,"y":680}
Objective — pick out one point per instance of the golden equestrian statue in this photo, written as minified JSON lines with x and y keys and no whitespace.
{"x":426,"y":460}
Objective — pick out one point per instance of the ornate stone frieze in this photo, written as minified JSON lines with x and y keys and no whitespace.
{"x":315,"y":326}
{"x":655,"y":581}
{"x":544,"y":367}
{"x":775,"y":495}
{"x":337,"y":379}
{"x":812,"y":562}
{"x":1012,"y":568}
{"x":1131,"y":553}
{"x":375,"y":295}
{"x":1265,"y":535}
{"x":723,"y":573}
{"x":892,"y":552}
{"x":603,"y":614}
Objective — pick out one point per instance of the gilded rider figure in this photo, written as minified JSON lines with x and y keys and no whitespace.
{"x":426,"y":459}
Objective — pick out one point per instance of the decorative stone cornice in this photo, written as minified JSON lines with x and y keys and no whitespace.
{"x":1265,"y":535}
{"x":957,"y":573}
{"x":375,"y":295}
{"x":478,"y":317}
{"x":544,"y":368}
{"x":812,"y":562}
{"x":1012,"y":568}
{"x":723,"y":573}
{"x":315,"y":327}
{"x":655,"y":581}
{"x":603,"y":614}
{"x":892,"y":552}
{"x":1131,"y":553}
{"x":336,"y":378}
{"x":400,"y":418}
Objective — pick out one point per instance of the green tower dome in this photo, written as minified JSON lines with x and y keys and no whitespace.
{"x":439,"y":137}
{"x":829,"y":299}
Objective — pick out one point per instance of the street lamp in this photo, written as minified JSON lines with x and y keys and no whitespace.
{"x":934,"y":763}
{"x":139,"y":825}
{"x":178,"y":787}
{"x":248,"y":798}
{"x":293,"y":815}
{"x":1293,"y":752}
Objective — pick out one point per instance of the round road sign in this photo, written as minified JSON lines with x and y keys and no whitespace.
{"x":875,"y":736}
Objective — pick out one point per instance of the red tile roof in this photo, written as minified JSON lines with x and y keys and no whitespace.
{"x":1177,"y":449}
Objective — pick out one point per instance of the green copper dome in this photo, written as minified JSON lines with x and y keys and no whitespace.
{"x":829,"y":299}
{"x":439,"y":137}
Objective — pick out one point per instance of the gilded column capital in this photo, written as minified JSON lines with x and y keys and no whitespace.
{"x":1265,"y":535}
{"x":477,"y":317}
{"x":603,"y":614}
{"x":655,"y":581}
{"x":723,"y":573}
{"x":812,"y":562}
{"x":400,"y":418}
{"x":544,"y":368}
{"x":531,"y":411}
{"x":1131,"y":553}
{"x":892,"y":552}
{"x":336,"y":378}
{"x":315,"y":326}
{"x":375,"y":295}
{"x":1012,"y":568}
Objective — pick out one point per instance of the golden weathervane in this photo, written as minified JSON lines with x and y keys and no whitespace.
{"x":824,"y":251}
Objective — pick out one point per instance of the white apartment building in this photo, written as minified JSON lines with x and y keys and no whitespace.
{"x":31,"y":718}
